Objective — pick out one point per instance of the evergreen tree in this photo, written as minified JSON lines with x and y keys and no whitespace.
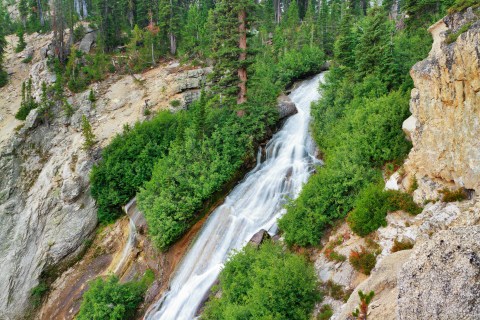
{"x":229,"y":49}
{"x":23,"y":10}
{"x":88,"y":134}
{"x":373,"y":49}
{"x":21,"y":41}
{"x":3,"y":44}
{"x":169,"y":22}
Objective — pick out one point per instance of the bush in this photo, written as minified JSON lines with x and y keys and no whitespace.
{"x":326,"y":312}
{"x":453,"y":196}
{"x":28,"y":102}
{"x":363,"y":261}
{"x":265,"y":283}
{"x":335,"y":290}
{"x":398,"y":200}
{"x":108,"y":299}
{"x":461,"y":5}
{"x":3,"y":78}
{"x":127,"y":162}
{"x":370,"y":211}
{"x":401,"y":245}
{"x":38,"y":293}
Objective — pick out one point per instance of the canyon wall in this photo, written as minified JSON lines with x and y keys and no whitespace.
{"x":445,"y":105}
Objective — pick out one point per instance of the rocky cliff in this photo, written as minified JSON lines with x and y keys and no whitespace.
{"x":46,"y":211}
{"x":445,"y":105}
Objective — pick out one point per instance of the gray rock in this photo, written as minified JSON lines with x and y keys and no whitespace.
{"x":285,"y":106}
{"x":259,"y":237}
{"x":87,"y":42}
{"x":441,"y":279}
{"x":71,"y":189}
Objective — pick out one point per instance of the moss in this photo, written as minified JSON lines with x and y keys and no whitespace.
{"x":461,"y":5}
{"x":452,"y":37}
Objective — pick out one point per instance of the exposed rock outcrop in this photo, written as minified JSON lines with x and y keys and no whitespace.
{"x":441,"y":279}
{"x":46,"y":211}
{"x":445,"y":122}
{"x":383,"y":282}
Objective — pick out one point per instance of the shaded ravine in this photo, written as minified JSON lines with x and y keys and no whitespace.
{"x":256,"y":203}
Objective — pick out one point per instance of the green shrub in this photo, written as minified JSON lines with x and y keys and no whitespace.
{"x":335,"y":290}
{"x":175,"y":103}
{"x":3,"y":78}
{"x":265,"y":283}
{"x":453,"y":196}
{"x":38,"y":293}
{"x":461,"y":5}
{"x":401,"y":245}
{"x":28,"y":102}
{"x":370,"y":211}
{"x":108,"y":299}
{"x":326,"y":312}
{"x":452,"y":37}
{"x":127,"y":162}
{"x":363,"y":261}
{"x":398,"y":200}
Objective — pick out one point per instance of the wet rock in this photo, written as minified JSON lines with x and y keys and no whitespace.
{"x":259,"y":237}
{"x":285,"y":106}
{"x":440,"y":280}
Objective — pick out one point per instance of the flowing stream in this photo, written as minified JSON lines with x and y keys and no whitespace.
{"x":254,"y":204}
{"x":131,"y":235}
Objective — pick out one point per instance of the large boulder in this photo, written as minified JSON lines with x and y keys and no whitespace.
{"x":441,"y":280}
{"x":285,"y":106}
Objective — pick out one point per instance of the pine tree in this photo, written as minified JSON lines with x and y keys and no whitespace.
{"x":88,"y":134}
{"x":169,"y":21}
{"x":23,"y":10}
{"x":373,"y":47}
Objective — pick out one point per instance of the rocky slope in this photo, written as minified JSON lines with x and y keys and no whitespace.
{"x":46,"y":211}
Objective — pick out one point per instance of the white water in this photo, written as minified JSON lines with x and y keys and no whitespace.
{"x":256,"y":203}
{"x":81,"y":8}
{"x":131,"y":236}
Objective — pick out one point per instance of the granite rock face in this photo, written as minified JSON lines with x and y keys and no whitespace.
{"x":445,"y":105}
{"x":441,"y":280}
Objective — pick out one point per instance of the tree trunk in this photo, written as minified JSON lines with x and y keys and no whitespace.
{"x":173,"y":38}
{"x":40,"y":13}
{"x":173,"y":43}
{"x":278,"y":10}
{"x":242,"y":44}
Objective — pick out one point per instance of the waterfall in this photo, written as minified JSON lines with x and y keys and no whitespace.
{"x":131,"y":236}
{"x":81,"y":8}
{"x":256,"y":203}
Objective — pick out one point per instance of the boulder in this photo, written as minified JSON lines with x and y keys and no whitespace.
{"x":87,"y":41}
{"x":285,"y":106}
{"x":259,"y":237}
{"x":441,"y":278}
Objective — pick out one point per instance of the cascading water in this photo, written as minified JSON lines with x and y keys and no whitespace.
{"x":131,"y":236}
{"x":81,"y":8}
{"x":256,"y":203}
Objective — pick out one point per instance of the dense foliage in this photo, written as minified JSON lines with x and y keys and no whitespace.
{"x":109,"y":299}
{"x":127,"y":162}
{"x":357,"y":124}
{"x":265,"y":283}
